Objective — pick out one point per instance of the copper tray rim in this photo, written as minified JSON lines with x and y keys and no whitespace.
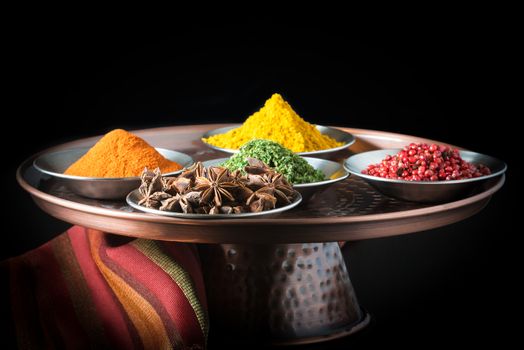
{"x":136,"y":216}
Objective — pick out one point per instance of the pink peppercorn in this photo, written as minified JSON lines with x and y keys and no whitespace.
{"x":423,"y":162}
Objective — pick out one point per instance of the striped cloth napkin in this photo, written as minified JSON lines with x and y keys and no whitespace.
{"x":89,"y":289}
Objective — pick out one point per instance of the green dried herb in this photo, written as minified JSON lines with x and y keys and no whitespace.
{"x":295,"y":168}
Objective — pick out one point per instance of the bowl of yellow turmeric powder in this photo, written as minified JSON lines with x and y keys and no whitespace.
{"x":278,"y":122}
{"x":112,"y":167}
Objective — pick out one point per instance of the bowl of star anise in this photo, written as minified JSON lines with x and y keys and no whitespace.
{"x":215,"y":192}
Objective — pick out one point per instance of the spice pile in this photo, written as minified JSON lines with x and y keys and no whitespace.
{"x":216,"y":190}
{"x":120,"y":154}
{"x":295,"y":168}
{"x":423,"y":162}
{"x":278,"y":122}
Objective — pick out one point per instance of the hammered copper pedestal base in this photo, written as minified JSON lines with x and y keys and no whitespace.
{"x":282,"y":293}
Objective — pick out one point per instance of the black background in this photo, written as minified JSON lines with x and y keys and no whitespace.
{"x":449,"y":285}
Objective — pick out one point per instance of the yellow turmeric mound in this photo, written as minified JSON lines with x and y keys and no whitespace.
{"x":120,"y":154}
{"x":278,"y":122}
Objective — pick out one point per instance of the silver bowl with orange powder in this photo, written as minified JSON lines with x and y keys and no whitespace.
{"x":55,"y":163}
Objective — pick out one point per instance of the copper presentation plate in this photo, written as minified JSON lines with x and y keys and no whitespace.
{"x":349,"y":210}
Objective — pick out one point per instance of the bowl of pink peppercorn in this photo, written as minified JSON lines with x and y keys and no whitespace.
{"x":425,"y":173}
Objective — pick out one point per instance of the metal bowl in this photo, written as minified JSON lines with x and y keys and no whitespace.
{"x":55,"y":163}
{"x":337,"y":134}
{"x":134,"y":197}
{"x":423,"y":191}
{"x":333,"y":171}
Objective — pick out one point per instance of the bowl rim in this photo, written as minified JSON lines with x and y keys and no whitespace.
{"x":295,"y":203}
{"x":308,"y":184}
{"x":328,"y":150}
{"x":87,"y":178}
{"x":440,"y":182}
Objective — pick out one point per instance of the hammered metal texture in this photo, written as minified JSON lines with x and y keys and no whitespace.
{"x":350,"y":197}
{"x":283,"y":291}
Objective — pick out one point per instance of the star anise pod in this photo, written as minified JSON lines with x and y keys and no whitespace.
{"x":194,"y":171}
{"x":226,"y":209}
{"x":174,"y":185}
{"x":242,"y":191}
{"x":151,"y":182}
{"x":171,"y":204}
{"x":154,"y":200}
{"x":261,"y":201}
{"x":186,"y":205}
{"x":256,"y":167}
{"x":215,"y":187}
{"x":193,"y":197}
{"x":274,"y":184}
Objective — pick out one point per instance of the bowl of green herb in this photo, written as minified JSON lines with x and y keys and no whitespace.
{"x":308,"y":175}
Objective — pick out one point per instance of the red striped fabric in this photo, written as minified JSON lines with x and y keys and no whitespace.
{"x":117,"y":325}
{"x":88,"y":289}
